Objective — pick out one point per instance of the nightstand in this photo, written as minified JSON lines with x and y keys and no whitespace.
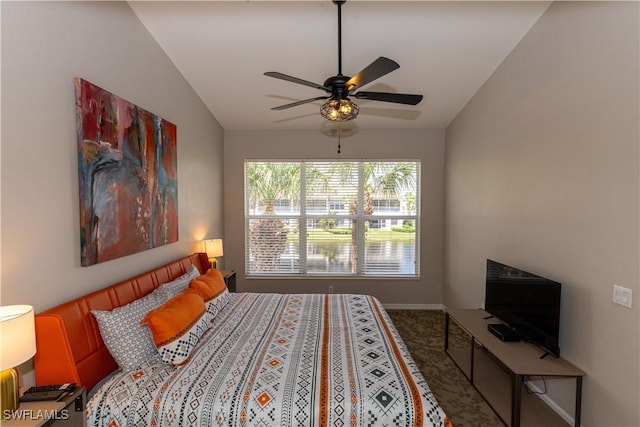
{"x":68,"y":412}
{"x":229,"y":279}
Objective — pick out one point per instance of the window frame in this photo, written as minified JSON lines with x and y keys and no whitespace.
{"x":304,"y":216}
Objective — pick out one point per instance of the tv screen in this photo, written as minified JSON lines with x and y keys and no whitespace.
{"x":528,"y":303}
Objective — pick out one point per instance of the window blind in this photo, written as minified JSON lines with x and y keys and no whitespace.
{"x":332,"y":218}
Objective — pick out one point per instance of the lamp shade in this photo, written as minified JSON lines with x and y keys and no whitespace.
{"x":213,"y":248}
{"x":17,"y":335}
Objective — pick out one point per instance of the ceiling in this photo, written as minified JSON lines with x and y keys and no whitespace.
{"x":446,"y":51}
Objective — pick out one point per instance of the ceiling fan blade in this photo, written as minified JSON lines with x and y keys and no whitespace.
{"x":375,"y":70}
{"x":295,"y":104}
{"x":281,"y":76}
{"x":398,"y":98}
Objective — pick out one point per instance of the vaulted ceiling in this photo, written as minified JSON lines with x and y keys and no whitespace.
{"x":446,"y":51}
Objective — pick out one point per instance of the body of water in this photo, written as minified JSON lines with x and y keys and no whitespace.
{"x":383,"y":258}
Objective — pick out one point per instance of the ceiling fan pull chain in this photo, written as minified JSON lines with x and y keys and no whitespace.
{"x":339,"y":135}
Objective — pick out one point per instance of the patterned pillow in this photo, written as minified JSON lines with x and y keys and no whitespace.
{"x":170,"y":289}
{"x":177,"y":326}
{"x":213,"y":289}
{"x":129,"y":343}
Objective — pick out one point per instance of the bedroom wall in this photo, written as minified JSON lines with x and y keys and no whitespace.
{"x":427,"y":146}
{"x":44,"y":46}
{"x":542,"y":173}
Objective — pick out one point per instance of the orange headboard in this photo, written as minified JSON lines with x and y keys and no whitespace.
{"x":68,"y":341}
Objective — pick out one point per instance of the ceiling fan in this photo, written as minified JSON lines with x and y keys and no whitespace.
{"x":339,"y":87}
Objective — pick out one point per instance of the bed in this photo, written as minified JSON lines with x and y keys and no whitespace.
{"x":265,"y":360}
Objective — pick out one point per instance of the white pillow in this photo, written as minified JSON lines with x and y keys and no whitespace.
{"x":129,"y":343}
{"x":171,"y":289}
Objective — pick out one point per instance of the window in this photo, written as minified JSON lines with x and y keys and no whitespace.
{"x":282,"y":205}
{"x":386,"y":205}
{"x":332,"y":218}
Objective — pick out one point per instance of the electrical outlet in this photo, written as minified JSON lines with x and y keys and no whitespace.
{"x":330,"y":289}
{"x":622,"y":296}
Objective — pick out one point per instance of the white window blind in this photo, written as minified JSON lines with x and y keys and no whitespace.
{"x":332,"y":218}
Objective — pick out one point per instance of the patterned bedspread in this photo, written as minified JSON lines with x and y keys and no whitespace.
{"x":277,"y":360}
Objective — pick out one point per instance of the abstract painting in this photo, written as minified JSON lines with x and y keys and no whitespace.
{"x":127,"y":168}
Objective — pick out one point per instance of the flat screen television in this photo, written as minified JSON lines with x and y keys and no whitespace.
{"x":529,"y":304}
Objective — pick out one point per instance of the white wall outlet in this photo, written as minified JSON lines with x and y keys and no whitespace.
{"x":622,"y":296}
{"x":330,"y":289}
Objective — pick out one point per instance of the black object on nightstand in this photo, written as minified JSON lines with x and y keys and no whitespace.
{"x":229,"y":279}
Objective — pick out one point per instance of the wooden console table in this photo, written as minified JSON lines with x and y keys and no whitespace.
{"x":519,"y":359}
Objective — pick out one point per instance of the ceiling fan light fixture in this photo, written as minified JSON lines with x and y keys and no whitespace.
{"x":339,"y":110}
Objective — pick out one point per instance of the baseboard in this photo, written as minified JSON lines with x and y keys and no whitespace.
{"x":551,"y":403}
{"x":412,"y":306}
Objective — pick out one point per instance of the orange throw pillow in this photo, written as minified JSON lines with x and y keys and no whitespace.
{"x":177,"y":325}
{"x":209,"y":285}
{"x":214,"y":281}
{"x":213,"y":290}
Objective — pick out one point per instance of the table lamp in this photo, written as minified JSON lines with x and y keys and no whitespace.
{"x":213,"y":248}
{"x":17,"y":345}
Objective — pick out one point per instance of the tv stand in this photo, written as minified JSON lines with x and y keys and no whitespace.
{"x":519,"y":359}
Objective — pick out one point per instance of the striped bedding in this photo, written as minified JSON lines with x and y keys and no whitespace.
{"x":277,"y":360}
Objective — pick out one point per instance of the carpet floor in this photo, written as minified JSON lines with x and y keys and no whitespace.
{"x":423,"y":333}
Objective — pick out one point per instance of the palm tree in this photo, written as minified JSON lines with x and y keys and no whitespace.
{"x":386,"y":179}
{"x":411,"y":206}
{"x":267,"y":183}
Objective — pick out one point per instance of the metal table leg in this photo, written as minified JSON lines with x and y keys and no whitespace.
{"x":578,"y":401}
{"x":446,"y":331}
{"x":516,"y":396}
{"x":473,"y":358}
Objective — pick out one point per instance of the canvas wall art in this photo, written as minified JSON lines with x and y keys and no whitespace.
{"x":127,"y":167}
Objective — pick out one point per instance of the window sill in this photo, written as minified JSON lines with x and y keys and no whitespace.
{"x":325,"y":277}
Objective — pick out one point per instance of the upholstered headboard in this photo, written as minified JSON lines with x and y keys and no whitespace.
{"x":68,"y":341}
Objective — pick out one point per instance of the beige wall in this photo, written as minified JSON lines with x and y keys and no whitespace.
{"x":542,"y":173}
{"x":402,"y":144}
{"x":44,"y":46}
